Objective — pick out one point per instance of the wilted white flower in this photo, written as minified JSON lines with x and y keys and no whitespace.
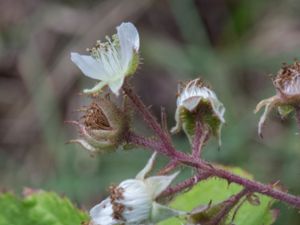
{"x":132,"y":202}
{"x":287,"y":84}
{"x":196,"y":100}
{"x":112,"y":61}
{"x":102,"y":127}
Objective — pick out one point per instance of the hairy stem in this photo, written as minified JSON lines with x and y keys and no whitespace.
{"x":196,"y":145}
{"x":148,"y":117}
{"x":199,"y":139}
{"x":185,"y":184}
{"x":168,"y":168}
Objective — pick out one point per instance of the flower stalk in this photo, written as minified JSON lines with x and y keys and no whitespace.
{"x":201,"y":135}
{"x":148,"y":118}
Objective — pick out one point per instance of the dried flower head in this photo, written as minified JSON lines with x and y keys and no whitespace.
{"x":287,"y":84}
{"x":132,"y":202}
{"x":197,"y":101}
{"x":102,"y":126}
{"x":111,"y":61}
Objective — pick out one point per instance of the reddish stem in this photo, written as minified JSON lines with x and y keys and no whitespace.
{"x":228,"y":205}
{"x":148,"y":117}
{"x":196,"y":146}
{"x":199,"y":139}
{"x":185,"y":184}
{"x":168,"y":168}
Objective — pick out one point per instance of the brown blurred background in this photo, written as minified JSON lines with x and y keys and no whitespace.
{"x":232,"y":44}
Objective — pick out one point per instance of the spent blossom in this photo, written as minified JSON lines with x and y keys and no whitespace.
{"x":287,"y":98}
{"x":132,"y":202}
{"x":110,"y":62}
{"x":197,"y":101}
{"x":102,"y":127}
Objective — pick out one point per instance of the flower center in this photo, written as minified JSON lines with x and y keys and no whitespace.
{"x":102,"y":48}
{"x":116,"y":193}
{"x":94,"y":118}
{"x":288,"y":79}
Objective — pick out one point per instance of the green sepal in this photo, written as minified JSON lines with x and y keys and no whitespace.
{"x":160,"y":212}
{"x":285,"y":110}
{"x":207,"y":117}
{"x":134,"y":63}
{"x":204,"y":214}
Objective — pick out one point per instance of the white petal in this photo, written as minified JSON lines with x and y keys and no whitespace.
{"x":129,"y":32}
{"x":116,"y":85}
{"x":141,"y":175}
{"x":129,"y":42}
{"x":218,"y":108}
{"x":136,"y":200}
{"x":89,"y":66}
{"x":191,"y":103}
{"x":101,"y":214}
{"x":157,"y":184}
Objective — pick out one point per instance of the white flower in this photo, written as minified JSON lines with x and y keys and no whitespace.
{"x":195,"y":98}
{"x":287,"y":84}
{"x":132,"y":202}
{"x":112,"y":61}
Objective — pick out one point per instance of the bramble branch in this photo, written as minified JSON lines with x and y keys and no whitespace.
{"x":164,"y":147}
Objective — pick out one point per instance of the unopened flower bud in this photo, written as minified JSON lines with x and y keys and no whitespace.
{"x":132,"y":202}
{"x":287,"y":84}
{"x":197,"y":101}
{"x":102,"y":127}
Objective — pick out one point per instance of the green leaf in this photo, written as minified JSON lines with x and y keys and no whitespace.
{"x":40,"y":208}
{"x":218,"y":190}
{"x":12,"y":210}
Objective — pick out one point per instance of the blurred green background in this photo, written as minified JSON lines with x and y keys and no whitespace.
{"x":232,"y":44}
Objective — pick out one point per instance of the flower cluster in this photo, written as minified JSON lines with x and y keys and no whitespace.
{"x":199,"y":113}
